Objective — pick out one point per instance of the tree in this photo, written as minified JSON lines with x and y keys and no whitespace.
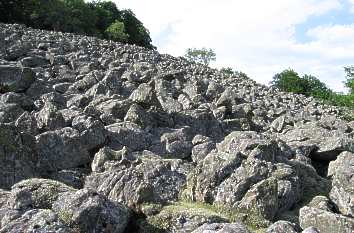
{"x":116,"y":32}
{"x":204,"y":56}
{"x":289,"y":81}
{"x":228,"y":71}
{"x":308,"y":85}
{"x":349,"y":83}
{"x":138,"y":34}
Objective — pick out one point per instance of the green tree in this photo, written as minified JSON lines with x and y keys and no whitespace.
{"x":116,"y":32}
{"x":289,"y":81}
{"x":349,"y":83}
{"x":138,"y":34}
{"x":204,"y":56}
{"x":228,"y":71}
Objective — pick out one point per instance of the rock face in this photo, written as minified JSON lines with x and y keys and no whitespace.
{"x":98,"y":136}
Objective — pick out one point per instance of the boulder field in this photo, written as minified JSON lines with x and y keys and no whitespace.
{"x":98,"y":136}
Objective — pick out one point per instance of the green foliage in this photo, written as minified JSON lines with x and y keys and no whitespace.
{"x":96,"y":18}
{"x":138,"y":34}
{"x":204,"y":56}
{"x":117,"y":32}
{"x":228,"y":71}
{"x":308,"y":85}
{"x":349,"y":83}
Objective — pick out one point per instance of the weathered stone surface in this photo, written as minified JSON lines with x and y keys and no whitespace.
{"x":325,"y":221}
{"x":342,"y":172}
{"x":61,"y":149}
{"x":88,"y":211}
{"x":17,"y":156}
{"x":36,"y":221}
{"x":222,"y":228}
{"x":35,"y":194}
{"x":282,"y":227}
{"x":16,"y":79}
{"x":146,"y":180}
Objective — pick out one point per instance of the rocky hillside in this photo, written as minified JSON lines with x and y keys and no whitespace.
{"x":97,"y":136}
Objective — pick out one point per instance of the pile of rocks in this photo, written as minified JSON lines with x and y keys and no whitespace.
{"x":98,"y":136}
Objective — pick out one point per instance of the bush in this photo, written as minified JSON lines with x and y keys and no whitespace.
{"x":117,"y":32}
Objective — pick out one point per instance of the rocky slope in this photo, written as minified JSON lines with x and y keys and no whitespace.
{"x":97,"y":136}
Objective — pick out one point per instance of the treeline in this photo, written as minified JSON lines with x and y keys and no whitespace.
{"x":308,"y":85}
{"x":97,"y":18}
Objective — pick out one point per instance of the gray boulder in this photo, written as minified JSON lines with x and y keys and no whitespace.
{"x":222,"y":228}
{"x":17,"y":156}
{"x":342,"y":173}
{"x":282,"y":227}
{"x":41,"y":221}
{"x":88,"y":211}
{"x":16,"y":79}
{"x":61,"y":149}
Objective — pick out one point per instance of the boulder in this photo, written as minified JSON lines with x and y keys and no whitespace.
{"x":88,"y":211}
{"x":16,"y":79}
{"x":342,"y":173}
{"x":222,"y":228}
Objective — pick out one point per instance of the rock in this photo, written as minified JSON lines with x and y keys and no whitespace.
{"x":72,"y":177}
{"x":324,"y":221}
{"x":16,"y":79}
{"x":310,"y":230}
{"x":36,"y":221}
{"x":342,"y":173}
{"x":17,"y":156}
{"x":184,"y":217}
{"x":27,"y":123}
{"x":144,"y":95}
{"x":134,"y":182}
{"x":61,"y":149}
{"x":139,"y":116}
{"x":261,"y":200}
{"x":222,"y":228}
{"x":128,"y":135}
{"x":79,"y":209}
{"x":10,"y":112}
{"x":36,"y":61}
{"x":35,"y":194}
{"x":282,"y":227}
{"x":49,"y":118}
{"x":326,"y":144}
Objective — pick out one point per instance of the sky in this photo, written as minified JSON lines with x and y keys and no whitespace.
{"x":258,"y":37}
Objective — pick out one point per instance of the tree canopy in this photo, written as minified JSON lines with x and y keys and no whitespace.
{"x":203,"y":55}
{"x":95,"y":18}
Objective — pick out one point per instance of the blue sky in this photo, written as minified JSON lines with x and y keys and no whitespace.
{"x":257,"y":37}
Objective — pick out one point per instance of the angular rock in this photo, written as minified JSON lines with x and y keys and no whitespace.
{"x":88,"y":211}
{"x":282,"y":227}
{"x":342,"y":173}
{"x":222,"y":228}
{"x":17,"y":156}
{"x":61,"y":149}
{"x":16,"y":79}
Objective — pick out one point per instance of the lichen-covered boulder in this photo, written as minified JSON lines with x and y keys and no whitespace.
{"x":17,"y":156}
{"x":88,"y":211}
{"x":282,"y":227}
{"x":16,"y":79}
{"x":222,"y":228}
{"x":36,"y":221}
{"x":61,"y":149}
{"x":342,"y":192}
{"x":36,"y":194}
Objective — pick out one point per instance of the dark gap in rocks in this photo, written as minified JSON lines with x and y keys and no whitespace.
{"x":321,"y":167}
{"x":138,"y":223}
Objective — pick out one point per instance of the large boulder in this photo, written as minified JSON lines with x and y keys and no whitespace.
{"x":222,"y":228}
{"x":17,"y":156}
{"x":148,"y":179}
{"x":61,"y":149}
{"x":342,"y":173}
{"x":15,"y":79}
{"x":36,"y":194}
{"x":88,"y":211}
{"x":323,"y":144}
{"x":36,"y":221}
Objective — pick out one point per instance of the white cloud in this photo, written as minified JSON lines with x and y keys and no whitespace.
{"x":255,"y":36}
